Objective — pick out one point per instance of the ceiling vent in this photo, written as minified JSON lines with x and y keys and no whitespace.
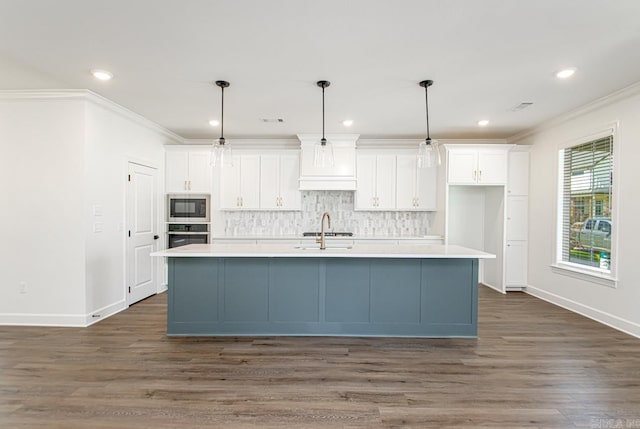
{"x":521,"y":106}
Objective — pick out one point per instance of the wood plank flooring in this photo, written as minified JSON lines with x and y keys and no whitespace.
{"x":534,"y":366}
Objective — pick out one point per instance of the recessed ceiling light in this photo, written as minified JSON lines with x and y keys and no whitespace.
{"x":214,"y":122}
{"x":566,"y":73}
{"x":347,"y":122}
{"x":483,"y":122}
{"x":102,"y":74}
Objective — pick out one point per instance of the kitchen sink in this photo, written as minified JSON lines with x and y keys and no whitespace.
{"x":327,"y":248}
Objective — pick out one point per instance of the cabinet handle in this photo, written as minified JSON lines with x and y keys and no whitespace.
{"x":186,"y":185}
{"x":474,"y":175}
{"x":281,"y":202}
{"x":480,"y":176}
{"x":241,"y":201}
{"x":417,"y":202}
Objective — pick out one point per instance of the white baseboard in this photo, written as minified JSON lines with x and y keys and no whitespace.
{"x":610,"y":320}
{"x":43,"y":319}
{"x":61,"y":320}
{"x":492,"y":287}
{"x":104,"y":312}
{"x":163,"y":288}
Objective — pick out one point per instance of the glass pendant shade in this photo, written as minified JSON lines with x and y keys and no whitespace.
{"x":323,"y":150}
{"x":428,"y":154}
{"x":323,"y":154}
{"x":221,"y":154}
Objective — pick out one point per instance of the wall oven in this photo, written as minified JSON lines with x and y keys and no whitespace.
{"x":188,"y":208}
{"x":181,"y":234}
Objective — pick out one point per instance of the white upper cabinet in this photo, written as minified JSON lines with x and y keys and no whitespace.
{"x":415,"y":187}
{"x":518,"y":183}
{"x":279,"y":174}
{"x":187,"y":170}
{"x":376,"y":182}
{"x":240,"y":183}
{"x":476,"y":166}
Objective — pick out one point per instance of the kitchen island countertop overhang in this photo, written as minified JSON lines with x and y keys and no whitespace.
{"x":365,"y":290}
{"x":429,"y":251}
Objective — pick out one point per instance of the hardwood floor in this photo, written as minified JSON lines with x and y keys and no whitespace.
{"x":534,"y":366}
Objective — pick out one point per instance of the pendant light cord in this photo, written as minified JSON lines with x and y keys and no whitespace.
{"x":323,"y":113}
{"x":426,"y":99}
{"x":222,"y":116}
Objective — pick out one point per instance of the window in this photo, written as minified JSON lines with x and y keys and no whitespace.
{"x":586,"y":205}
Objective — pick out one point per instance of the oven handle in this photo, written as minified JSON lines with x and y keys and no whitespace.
{"x":186,"y":233}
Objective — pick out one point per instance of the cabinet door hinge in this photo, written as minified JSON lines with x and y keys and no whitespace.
{"x":129,"y":177}
{"x":129,"y":289}
{"x":129,"y":233}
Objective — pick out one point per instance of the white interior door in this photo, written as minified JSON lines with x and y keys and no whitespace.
{"x":142,"y":233}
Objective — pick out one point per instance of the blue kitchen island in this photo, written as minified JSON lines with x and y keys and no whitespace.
{"x":415,"y":291}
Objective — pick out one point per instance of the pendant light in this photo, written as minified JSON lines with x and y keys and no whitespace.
{"x":221,"y":154}
{"x":323,"y":150}
{"x":428,"y":151}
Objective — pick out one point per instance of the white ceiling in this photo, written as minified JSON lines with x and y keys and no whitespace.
{"x":485,"y":56}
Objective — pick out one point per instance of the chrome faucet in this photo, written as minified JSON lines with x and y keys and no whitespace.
{"x":321,"y":238}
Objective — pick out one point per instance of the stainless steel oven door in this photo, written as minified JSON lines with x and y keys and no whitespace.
{"x":177,"y":239}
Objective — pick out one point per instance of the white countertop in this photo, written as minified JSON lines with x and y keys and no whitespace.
{"x":300,"y":237}
{"x":357,"y":251}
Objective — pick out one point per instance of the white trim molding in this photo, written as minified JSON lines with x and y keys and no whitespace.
{"x":92,"y":97}
{"x":105,"y":312}
{"x":622,"y":94}
{"x":61,"y":319}
{"x":43,"y":319}
{"x":615,"y":322}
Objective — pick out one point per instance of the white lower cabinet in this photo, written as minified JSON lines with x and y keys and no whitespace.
{"x":516,"y":264}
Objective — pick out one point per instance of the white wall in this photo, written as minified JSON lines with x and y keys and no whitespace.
{"x":112,"y":140}
{"x":62,"y":153}
{"x":41,"y":211}
{"x":618,"y":306}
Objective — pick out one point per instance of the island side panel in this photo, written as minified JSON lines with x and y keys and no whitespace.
{"x":450,"y":294}
{"x":323,"y":296}
{"x":194,"y":293}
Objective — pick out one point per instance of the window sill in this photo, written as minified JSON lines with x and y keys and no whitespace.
{"x":593,"y":276}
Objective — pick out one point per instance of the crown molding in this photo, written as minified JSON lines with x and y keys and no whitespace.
{"x":256,"y":143}
{"x":617,"y":96}
{"x":90,"y":96}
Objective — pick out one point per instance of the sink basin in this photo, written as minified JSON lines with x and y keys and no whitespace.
{"x":327,"y":248}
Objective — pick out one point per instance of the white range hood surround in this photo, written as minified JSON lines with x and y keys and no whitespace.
{"x":340,"y":177}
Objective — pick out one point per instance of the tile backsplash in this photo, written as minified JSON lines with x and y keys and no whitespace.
{"x":339,"y":204}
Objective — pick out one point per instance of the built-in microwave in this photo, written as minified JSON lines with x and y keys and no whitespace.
{"x":188,"y":208}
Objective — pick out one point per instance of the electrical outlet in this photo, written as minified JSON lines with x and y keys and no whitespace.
{"x":22,"y":287}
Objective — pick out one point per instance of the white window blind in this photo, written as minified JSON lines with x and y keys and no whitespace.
{"x":586,"y":203}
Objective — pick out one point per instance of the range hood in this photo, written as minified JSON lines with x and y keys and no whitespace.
{"x":341,"y":176}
